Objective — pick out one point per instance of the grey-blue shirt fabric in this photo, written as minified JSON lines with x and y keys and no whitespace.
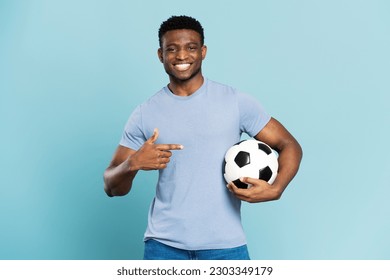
{"x":192,"y":208}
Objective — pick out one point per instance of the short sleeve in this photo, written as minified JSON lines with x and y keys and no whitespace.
{"x":132,"y":136}
{"x":253,"y":117}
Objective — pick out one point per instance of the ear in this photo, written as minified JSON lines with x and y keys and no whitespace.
{"x":160,"y":55}
{"x":204,"y":51}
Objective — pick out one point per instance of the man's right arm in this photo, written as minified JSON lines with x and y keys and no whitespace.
{"x":119,"y":175}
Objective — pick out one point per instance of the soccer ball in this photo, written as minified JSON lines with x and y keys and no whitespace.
{"x":250,"y":158}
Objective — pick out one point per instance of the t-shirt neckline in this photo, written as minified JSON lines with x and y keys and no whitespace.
{"x":196,"y":93}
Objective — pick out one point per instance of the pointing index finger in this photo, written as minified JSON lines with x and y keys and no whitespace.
{"x":167,"y":147}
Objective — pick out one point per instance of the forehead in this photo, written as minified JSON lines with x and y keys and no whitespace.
{"x":181,"y":36}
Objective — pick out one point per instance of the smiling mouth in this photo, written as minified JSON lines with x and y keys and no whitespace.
{"x":182,"y":66}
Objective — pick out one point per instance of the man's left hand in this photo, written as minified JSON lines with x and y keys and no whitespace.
{"x":259,"y":191}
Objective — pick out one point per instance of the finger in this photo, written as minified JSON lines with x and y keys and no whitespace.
{"x":233,"y":188}
{"x":239,"y":193}
{"x":154,"y":137}
{"x":248,"y":180}
{"x":158,"y":166}
{"x":165,"y":154}
{"x":164,"y":160}
{"x":229,"y":187}
{"x":167,"y":147}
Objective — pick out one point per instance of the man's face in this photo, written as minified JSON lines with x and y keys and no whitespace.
{"x":182,"y":54}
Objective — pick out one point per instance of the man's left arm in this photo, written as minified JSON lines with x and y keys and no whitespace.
{"x":290,"y":154}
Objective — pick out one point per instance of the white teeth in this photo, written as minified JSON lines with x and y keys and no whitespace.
{"x":182,"y":67}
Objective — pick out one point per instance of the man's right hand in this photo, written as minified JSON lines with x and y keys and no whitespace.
{"x":152,"y":156}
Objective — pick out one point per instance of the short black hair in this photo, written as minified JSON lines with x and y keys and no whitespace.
{"x":180,"y":22}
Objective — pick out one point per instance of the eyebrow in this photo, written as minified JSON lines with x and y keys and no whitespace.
{"x":189,"y":43}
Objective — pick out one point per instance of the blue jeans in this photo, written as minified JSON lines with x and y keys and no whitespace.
{"x":155,"y":250}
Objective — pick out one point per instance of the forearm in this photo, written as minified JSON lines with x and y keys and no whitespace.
{"x":289,"y":160}
{"x":118,"y":180}
{"x":290,"y":155}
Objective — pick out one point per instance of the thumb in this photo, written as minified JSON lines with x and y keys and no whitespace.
{"x":154,"y":137}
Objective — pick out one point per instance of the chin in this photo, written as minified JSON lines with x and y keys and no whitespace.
{"x":179,"y":78}
{"x":183,"y":77}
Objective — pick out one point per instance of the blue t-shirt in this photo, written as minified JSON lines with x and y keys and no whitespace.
{"x":192,"y":208}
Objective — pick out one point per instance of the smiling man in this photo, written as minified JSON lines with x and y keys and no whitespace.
{"x":182,"y":51}
{"x":184,"y":131}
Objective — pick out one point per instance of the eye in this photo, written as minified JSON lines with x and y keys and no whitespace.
{"x":192,"y":48}
{"x":170,"y":49}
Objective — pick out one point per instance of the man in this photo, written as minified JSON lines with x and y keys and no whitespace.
{"x":184,"y":131}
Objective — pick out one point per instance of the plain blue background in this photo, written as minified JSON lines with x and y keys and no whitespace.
{"x":72,"y":71}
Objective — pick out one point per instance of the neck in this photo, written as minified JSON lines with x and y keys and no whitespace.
{"x":185,"y":88}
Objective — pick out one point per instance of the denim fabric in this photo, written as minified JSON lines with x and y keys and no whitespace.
{"x":155,"y":250}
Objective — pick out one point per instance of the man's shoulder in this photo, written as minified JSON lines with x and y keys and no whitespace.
{"x":213,"y":83}
{"x":153,"y":99}
{"x":221,"y":87}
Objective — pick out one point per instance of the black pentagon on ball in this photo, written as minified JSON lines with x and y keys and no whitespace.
{"x":240,"y":184}
{"x":265,"y":173}
{"x":265,"y":148}
{"x":242,"y":159}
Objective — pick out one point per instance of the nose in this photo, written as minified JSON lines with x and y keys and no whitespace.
{"x":181,"y":54}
